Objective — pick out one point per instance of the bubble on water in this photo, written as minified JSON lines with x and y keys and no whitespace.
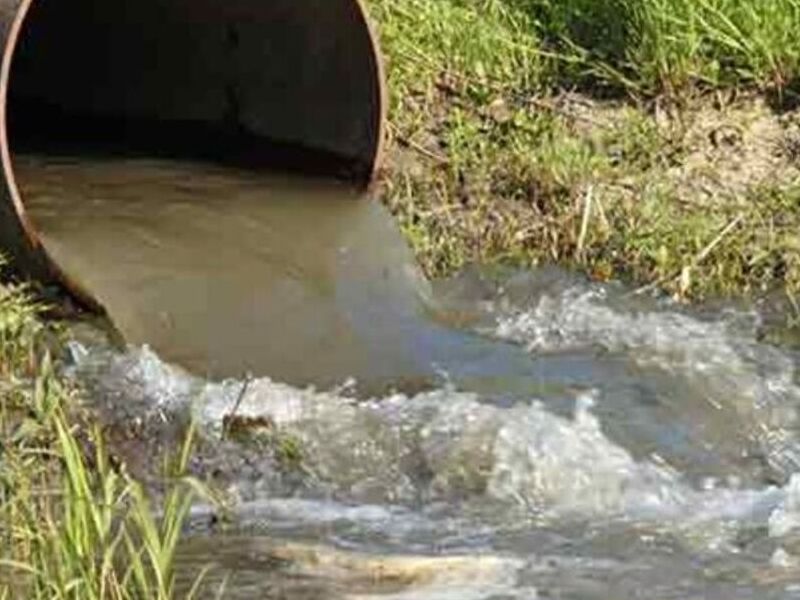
{"x":783,"y":560}
{"x":786,"y":517}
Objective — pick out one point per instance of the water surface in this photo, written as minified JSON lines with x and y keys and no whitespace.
{"x":658,"y":458}
{"x":507,"y":434}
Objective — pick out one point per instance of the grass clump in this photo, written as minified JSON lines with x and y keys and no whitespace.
{"x":653,"y":46}
{"x":621,"y":138}
{"x":73,"y":524}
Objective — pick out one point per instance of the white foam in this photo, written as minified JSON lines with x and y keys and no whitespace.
{"x":724,"y":365}
{"x":524,"y":454}
{"x":786,"y":517}
{"x":554,"y":464}
{"x":783,"y":560}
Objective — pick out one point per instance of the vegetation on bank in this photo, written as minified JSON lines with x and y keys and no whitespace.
{"x":652,"y":140}
{"x":73,"y":524}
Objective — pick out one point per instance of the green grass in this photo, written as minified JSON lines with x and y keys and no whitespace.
{"x":656,"y":46}
{"x":73,"y":525}
{"x":643,"y":46}
{"x":490,"y":163}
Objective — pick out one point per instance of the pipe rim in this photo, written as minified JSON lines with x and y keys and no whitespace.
{"x":5,"y":146}
{"x":53,"y":272}
{"x":383,"y":91}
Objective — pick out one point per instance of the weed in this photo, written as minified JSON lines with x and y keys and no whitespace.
{"x":73,"y":525}
{"x":494,"y":153}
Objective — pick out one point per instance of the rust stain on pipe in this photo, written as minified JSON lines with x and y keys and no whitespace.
{"x":294,"y":84}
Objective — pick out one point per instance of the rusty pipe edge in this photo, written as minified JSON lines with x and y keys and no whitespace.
{"x":268,"y":82}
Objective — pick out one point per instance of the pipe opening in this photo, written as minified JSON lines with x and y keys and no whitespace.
{"x":288,"y":85}
{"x":132,"y":130}
{"x":292,"y":84}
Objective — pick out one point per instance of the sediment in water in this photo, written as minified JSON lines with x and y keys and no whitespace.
{"x":229,"y":272}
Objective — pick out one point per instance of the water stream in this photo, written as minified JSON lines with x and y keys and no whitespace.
{"x":500,"y":435}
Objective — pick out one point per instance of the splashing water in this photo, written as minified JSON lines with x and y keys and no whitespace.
{"x":503,"y":434}
{"x":656,"y":456}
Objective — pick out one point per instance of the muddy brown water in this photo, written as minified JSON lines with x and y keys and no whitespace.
{"x":229,"y":272}
{"x":514,"y":434}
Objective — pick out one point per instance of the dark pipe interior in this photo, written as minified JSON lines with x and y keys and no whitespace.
{"x":283,"y":83}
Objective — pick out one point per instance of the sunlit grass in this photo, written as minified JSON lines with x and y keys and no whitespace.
{"x":489,"y":167}
{"x":656,"y":46}
{"x":644,"y":46}
{"x":73,"y":525}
